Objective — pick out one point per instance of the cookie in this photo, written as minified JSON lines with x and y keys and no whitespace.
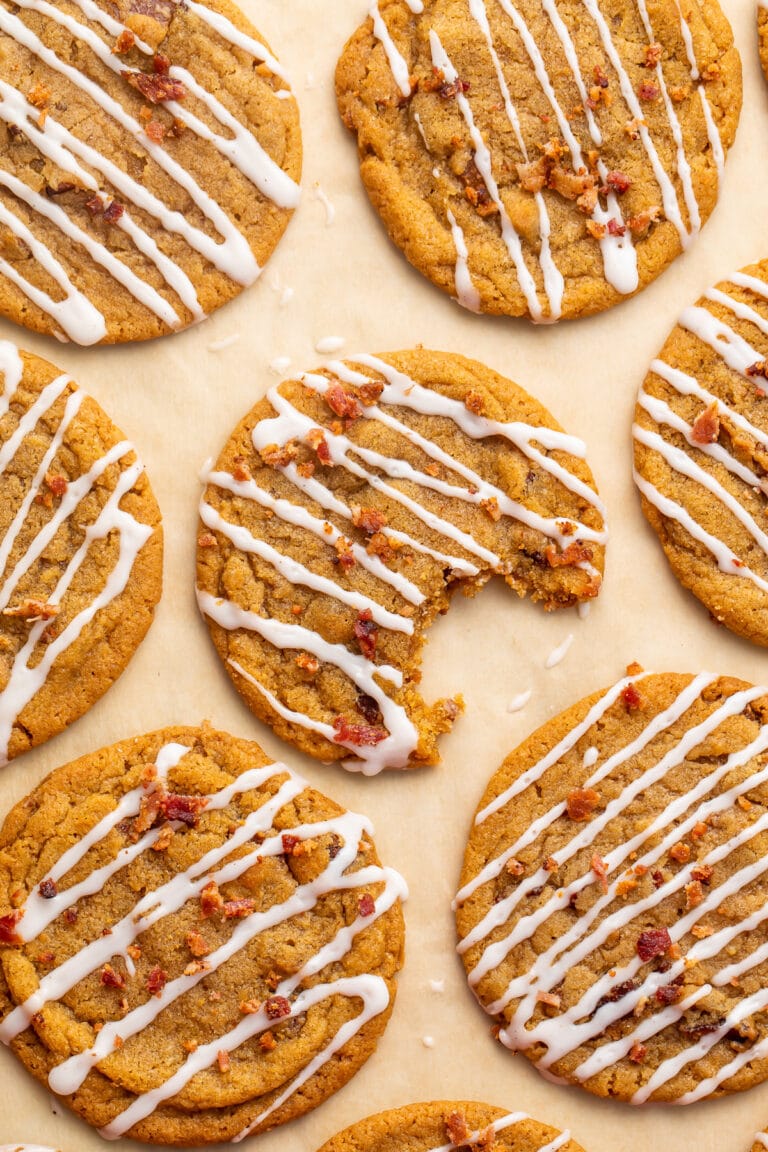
{"x":762,"y":29}
{"x":196,"y":944}
{"x":151,"y":153}
{"x":761,"y":1141}
{"x":540,"y":159}
{"x":701,"y":451}
{"x":80,"y":551}
{"x":613,"y":914}
{"x":343,"y":513}
{"x":442,"y":1126}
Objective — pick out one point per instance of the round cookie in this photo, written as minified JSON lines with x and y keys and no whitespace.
{"x":613,"y":914}
{"x":701,"y":451}
{"x":151,"y":154}
{"x":343,"y":513}
{"x":540,"y":159}
{"x":440,"y":1126}
{"x":197,"y":945}
{"x":80,"y":552}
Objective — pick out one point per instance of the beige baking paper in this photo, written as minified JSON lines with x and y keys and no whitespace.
{"x":336,"y":274}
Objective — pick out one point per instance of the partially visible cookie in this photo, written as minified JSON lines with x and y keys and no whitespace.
{"x":541,"y":159}
{"x":80,"y":551}
{"x":343,"y":513}
{"x":761,"y":1141}
{"x":701,"y":451}
{"x":613,"y":914}
{"x":194,"y":944}
{"x":762,"y":29}
{"x":151,"y":153}
{"x":445,"y":1126}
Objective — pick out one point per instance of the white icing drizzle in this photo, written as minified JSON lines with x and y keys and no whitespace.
{"x":594,"y":1010}
{"x":557,"y":655}
{"x":219,"y":866}
{"x":225,"y":342}
{"x":397,"y":62}
{"x":517,"y":703}
{"x":466,"y":293}
{"x":29,"y":670}
{"x":12,"y":368}
{"x":329,"y":344}
{"x":79,"y":318}
{"x":507,"y":1122}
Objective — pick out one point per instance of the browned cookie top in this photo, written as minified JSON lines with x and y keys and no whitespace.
{"x":541,"y":157}
{"x":450,"y":1126}
{"x":194,"y":944}
{"x":613,"y":914}
{"x":762,"y":28}
{"x":701,"y":450}
{"x":80,"y":551}
{"x":344,"y":511}
{"x":150,"y":153}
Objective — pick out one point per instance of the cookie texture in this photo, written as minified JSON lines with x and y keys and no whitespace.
{"x":80,"y":551}
{"x":613,"y":914}
{"x":448,"y":1125}
{"x":343,"y":513}
{"x":701,"y":451}
{"x":196,"y":945}
{"x":762,"y":31}
{"x":544,"y":158}
{"x":150,"y":158}
{"x":761,"y":1141}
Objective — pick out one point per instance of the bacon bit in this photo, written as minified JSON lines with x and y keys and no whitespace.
{"x":196,"y":966}
{"x":306,"y":469}
{"x":618,"y":181}
{"x":267,"y":1042}
{"x":341,"y":402}
{"x":581,"y":803}
{"x":155,"y":87}
{"x":648,"y":92}
{"x":448,"y":91}
{"x":706,"y":426}
{"x":39,"y":97}
{"x":550,"y":998}
{"x":694,"y":894}
{"x":296,"y":610}
{"x":223,"y":1061}
{"x":277,"y":1007}
{"x":316,"y":440}
{"x":366,"y":633}
{"x":600,"y":870}
{"x":279,"y":455}
{"x":743,"y":803}
{"x":575,"y":553}
{"x":652,"y":55}
{"x":597,"y":231}
{"x":631,"y":697}
{"x":625,"y":886}
{"x":457,"y":1129}
{"x":703,"y":873}
{"x":366,"y":905}
{"x":124,"y":42}
{"x":46,"y":958}
{"x":475,"y":402}
{"x":382,"y":546}
{"x":359,"y":735}
{"x":206,"y":540}
{"x":290,"y":843}
{"x":639,"y":224}
{"x":134,"y":951}
{"x":491,"y":508}
{"x":250,"y":1007}
{"x":701,"y":931}
{"x":675,"y":952}
{"x":514,"y":867}
{"x":614,"y":228}
{"x":197,"y":944}
{"x":71,"y":914}
{"x":160,"y":64}
{"x":190,"y":1046}
{"x":710,"y":72}
{"x":211,"y":900}
{"x":700,"y":829}
{"x":639,"y":869}
{"x":678,"y":94}
{"x":680,"y":852}
{"x":118,"y":1042}
{"x":239,"y":909}
{"x":57,"y":484}
{"x":638,"y":1053}
{"x":369,"y":519}
{"x":533,"y":176}
{"x":307,"y":663}
{"x":32,"y":610}
{"x":241,"y":471}
{"x":164,"y":838}
{"x":658,"y":879}
{"x":186,"y":809}
{"x":155,"y":131}
{"x":550,"y":864}
{"x":113,"y":211}
{"x":759,"y":368}
{"x":48,"y":889}
{"x":669,"y":993}
{"x":632,"y":128}
{"x":654,"y":942}
{"x":111,"y":979}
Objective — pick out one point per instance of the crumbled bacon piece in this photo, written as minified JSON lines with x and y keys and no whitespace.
{"x":344,"y":554}
{"x":600,"y":870}
{"x":211,"y":900}
{"x":706,"y":426}
{"x":596,"y":230}
{"x":475,"y":402}
{"x":366,"y":633}
{"x":549,"y":998}
{"x":702,"y":873}
{"x":290,"y":843}
{"x":239,"y":909}
{"x":341,"y":402}
{"x":316,"y":439}
{"x":206,"y":540}
{"x":279,"y":455}
{"x":699,"y":829}
{"x":648,"y":92}
{"x":8,"y":933}
{"x":366,"y":905}
{"x":71,"y":914}
{"x":759,"y":368}
{"x":155,"y":131}
{"x":457,"y":1129}
{"x":514,"y":867}
{"x":491,"y":508}
{"x":680,"y":852}
{"x":110,"y":978}
{"x":654,"y":942}
{"x":550,"y":864}
{"x":250,"y":1007}
{"x":124,"y":42}
{"x":657,"y":878}
{"x":618,"y":181}
{"x":197,"y":945}
{"x":113,"y":211}
{"x":638,"y":1053}
{"x":267,"y":1042}
{"x":160,"y":64}
{"x":668,"y":993}
{"x":196,"y":966}
{"x":652,"y":55}
{"x":46,"y":958}
{"x":359,"y":735}
{"x":626,"y":885}
{"x":694,"y":894}
{"x":632,"y":128}
{"x":575,"y":553}
{"x":277,"y":1007}
{"x":57,"y":484}
{"x":306,"y":469}
{"x":156,"y":980}
{"x":581,"y":803}
{"x":31,"y":610}
{"x":639,"y":224}
{"x":449,"y":90}
{"x":369,"y":519}
{"x":710,"y":72}
{"x":134,"y":951}
{"x":587,"y":202}
{"x":185,"y":809}
{"x":381,"y":546}
{"x":223,"y":1061}
{"x":614,"y":228}
{"x":39,"y":96}
{"x":307,"y":663}
{"x":48,"y":889}
{"x":155,"y":87}
{"x":533,"y":175}
{"x":700,"y":931}
{"x":631,"y":697}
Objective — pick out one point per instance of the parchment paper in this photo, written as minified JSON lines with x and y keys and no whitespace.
{"x":178,"y":400}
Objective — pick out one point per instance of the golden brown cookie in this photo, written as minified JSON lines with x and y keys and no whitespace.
{"x":196,"y":944}
{"x":761,"y":1141}
{"x":442,"y":1125}
{"x":540,"y":158}
{"x":701,"y":451}
{"x":613,"y":914}
{"x":150,"y":152}
{"x":80,"y":552}
{"x":762,"y":29}
{"x":343,"y":513}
